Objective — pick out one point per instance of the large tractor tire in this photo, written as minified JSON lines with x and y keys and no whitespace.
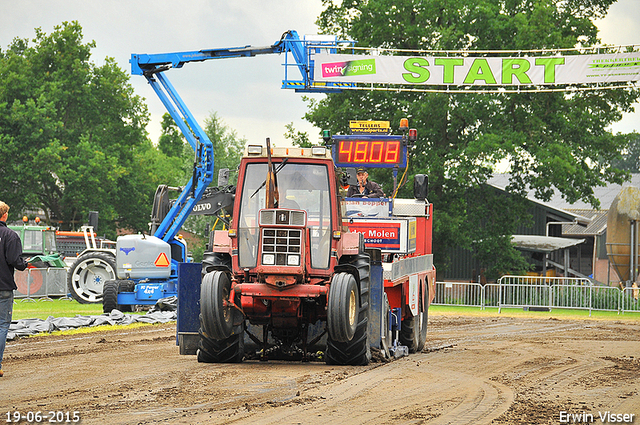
{"x":220,"y":340}
{"x":356,"y":350}
{"x":86,"y":277}
{"x":228,"y":350}
{"x":413,"y":332}
{"x":212,"y":261}
{"x":216,"y":316}
{"x":109,"y":296}
{"x":110,"y":293}
{"x":342,"y":307}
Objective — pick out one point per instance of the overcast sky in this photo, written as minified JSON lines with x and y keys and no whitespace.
{"x":245,"y":92}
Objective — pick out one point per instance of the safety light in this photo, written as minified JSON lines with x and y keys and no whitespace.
{"x":413,"y":135}
{"x":37,"y":220}
{"x":318,"y":151}
{"x":25,"y":219}
{"x":254,"y":150}
{"x":232,"y":233}
{"x":337,"y":234}
{"x":404,"y":124}
{"x":326,"y":136}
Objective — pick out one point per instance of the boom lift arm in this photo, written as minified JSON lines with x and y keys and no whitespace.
{"x":152,"y":67}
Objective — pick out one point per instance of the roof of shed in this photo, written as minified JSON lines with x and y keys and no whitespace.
{"x":544,"y":244}
{"x":597,"y":226}
{"x":606,"y":194}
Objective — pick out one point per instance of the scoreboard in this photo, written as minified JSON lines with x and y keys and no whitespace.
{"x":371,"y":151}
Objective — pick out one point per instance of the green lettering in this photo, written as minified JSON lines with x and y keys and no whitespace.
{"x":480,"y":70}
{"x":449,"y":64}
{"x":515,"y":68}
{"x":549,"y":68}
{"x":417,"y":74}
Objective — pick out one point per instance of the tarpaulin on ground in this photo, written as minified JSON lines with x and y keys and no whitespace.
{"x":26,"y":327}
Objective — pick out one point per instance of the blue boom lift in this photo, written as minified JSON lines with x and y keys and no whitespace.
{"x":147,"y":265}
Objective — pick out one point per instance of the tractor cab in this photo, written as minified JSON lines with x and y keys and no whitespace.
{"x":302,"y":209}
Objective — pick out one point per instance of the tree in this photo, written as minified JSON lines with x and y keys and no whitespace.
{"x":227,"y":152}
{"x":550,"y":139}
{"x":72,"y":134}
{"x":171,"y":141}
{"x":297,"y":138}
{"x":630,"y":160}
{"x":228,"y":148}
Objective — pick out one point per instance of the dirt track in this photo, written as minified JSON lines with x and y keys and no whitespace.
{"x":475,"y":370}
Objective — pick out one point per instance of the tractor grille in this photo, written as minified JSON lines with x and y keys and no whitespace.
{"x":281,"y":247}
{"x":282,"y":217}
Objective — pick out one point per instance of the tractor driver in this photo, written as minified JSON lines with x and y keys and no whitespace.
{"x":365,"y":187}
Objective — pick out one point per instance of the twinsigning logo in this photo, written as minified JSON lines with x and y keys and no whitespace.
{"x":349,"y":68}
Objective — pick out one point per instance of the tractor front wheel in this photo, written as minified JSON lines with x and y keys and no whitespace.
{"x":342,"y":308}
{"x":220,"y":340}
{"x":215,"y":309}
{"x":355,"y":350}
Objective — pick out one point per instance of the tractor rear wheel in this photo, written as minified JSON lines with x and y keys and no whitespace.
{"x":356,"y":351}
{"x":216,"y":315}
{"x":86,"y":277}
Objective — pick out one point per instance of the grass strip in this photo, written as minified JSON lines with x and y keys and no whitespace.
{"x":556,"y":313}
{"x":41,"y":309}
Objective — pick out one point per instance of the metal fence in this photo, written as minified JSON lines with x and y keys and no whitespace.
{"x":40,"y":283}
{"x":538,"y":293}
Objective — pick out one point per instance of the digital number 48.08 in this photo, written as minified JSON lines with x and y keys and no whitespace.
{"x":369,"y":152}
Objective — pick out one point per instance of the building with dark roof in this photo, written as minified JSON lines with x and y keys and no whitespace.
{"x":579,"y":222}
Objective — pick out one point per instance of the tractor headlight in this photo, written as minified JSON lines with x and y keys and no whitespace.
{"x":293,"y":260}
{"x":268,"y":259}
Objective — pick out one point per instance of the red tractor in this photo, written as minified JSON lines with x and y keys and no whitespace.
{"x":303,"y":272}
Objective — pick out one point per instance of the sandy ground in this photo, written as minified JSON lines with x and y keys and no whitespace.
{"x":474,"y":370}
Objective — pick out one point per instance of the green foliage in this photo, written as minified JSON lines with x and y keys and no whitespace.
{"x":630,"y":160}
{"x":297,"y":138}
{"x":228,"y":149}
{"x":549,"y":139}
{"x":492,"y":217}
{"x":72,"y":134}
{"x":171,"y":141}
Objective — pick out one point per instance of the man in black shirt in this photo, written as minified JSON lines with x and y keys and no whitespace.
{"x":365,"y":188}
{"x":10,"y":259}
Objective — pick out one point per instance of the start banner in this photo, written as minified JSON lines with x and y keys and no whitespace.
{"x":480,"y":71}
